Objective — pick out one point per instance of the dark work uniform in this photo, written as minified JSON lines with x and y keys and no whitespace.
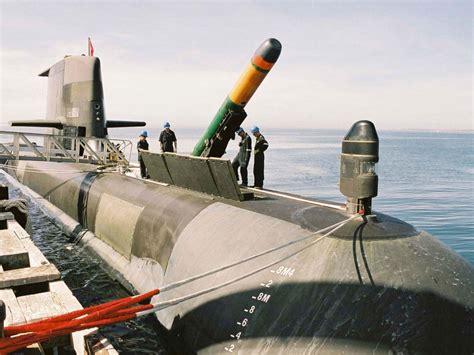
{"x":167,"y":139}
{"x":142,"y":144}
{"x":242,"y":159}
{"x":261,"y":145}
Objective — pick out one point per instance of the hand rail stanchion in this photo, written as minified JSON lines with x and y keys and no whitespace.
{"x":65,"y":148}
{"x":16,"y":145}
{"x":3,"y":316}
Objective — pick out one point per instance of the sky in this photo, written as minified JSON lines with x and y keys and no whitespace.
{"x":400,"y":64}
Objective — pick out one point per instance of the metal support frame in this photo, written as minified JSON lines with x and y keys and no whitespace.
{"x":100,"y":151}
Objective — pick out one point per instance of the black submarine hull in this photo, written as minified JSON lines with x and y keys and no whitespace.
{"x":376,"y":285}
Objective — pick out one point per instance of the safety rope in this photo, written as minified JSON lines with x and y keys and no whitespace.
{"x":116,"y":311}
{"x":19,"y":203}
{"x":162,"y":305}
{"x":265,"y":252}
{"x":56,"y":171}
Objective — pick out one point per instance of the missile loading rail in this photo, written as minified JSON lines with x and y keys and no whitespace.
{"x":92,"y":150}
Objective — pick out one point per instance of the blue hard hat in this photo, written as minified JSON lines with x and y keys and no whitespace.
{"x":240,"y":129}
{"x":166,"y":125}
{"x":255,"y":129}
{"x":144,"y":134}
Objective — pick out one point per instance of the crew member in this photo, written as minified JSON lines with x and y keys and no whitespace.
{"x":261,"y":145}
{"x":142,"y":145}
{"x":243,"y":156}
{"x":168,"y":140}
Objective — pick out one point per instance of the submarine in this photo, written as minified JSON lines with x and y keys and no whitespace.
{"x":253,"y":271}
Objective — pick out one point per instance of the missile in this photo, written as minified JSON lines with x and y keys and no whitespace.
{"x":231,"y":113}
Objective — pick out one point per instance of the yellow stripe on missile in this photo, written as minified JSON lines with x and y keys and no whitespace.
{"x":246,"y":85}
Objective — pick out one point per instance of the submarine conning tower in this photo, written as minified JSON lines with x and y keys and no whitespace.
{"x":75,"y":103}
{"x":77,"y":80}
{"x":358,"y":180}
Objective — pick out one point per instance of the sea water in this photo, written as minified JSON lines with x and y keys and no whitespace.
{"x":425,"y":179}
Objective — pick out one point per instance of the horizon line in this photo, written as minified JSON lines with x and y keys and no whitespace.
{"x":279,"y":128}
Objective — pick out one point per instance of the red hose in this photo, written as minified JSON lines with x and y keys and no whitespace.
{"x":95,"y":316}
{"x":31,"y":327}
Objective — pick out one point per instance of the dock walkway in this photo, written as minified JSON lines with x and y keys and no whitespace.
{"x":31,"y":288}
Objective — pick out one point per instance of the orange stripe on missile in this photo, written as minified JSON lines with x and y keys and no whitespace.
{"x":261,"y":63}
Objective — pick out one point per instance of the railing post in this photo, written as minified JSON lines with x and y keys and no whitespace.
{"x":3,"y":196}
{"x":16,"y":145}
{"x":47,"y":145}
{"x":55,"y":147}
{"x":78,"y":145}
{"x":3,"y":316}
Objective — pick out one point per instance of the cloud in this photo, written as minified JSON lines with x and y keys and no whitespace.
{"x":403,"y":65}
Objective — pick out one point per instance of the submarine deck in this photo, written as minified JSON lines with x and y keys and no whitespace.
{"x":77,"y":179}
{"x":309,"y":213}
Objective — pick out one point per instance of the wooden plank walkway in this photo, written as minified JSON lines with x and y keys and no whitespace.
{"x":41,"y":272}
{"x":14,"y":313}
{"x":46,"y":304}
{"x":13,"y":254}
{"x":29,"y":275}
{"x":31,"y":288}
{"x":15,"y":227}
{"x":23,"y":264}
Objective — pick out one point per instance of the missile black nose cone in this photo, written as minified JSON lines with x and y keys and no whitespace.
{"x":362,"y":131}
{"x":269,"y":50}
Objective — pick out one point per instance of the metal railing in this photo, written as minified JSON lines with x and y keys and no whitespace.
{"x":101,"y":151}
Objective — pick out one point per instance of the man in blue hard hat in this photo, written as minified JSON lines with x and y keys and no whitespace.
{"x":168,"y":141}
{"x":142,"y":145}
{"x":261,"y":145}
{"x":243,"y":156}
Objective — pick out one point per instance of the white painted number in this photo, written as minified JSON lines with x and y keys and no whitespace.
{"x":267,"y":284}
{"x":230,"y":348}
{"x":263,"y":297}
{"x":285,"y":271}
